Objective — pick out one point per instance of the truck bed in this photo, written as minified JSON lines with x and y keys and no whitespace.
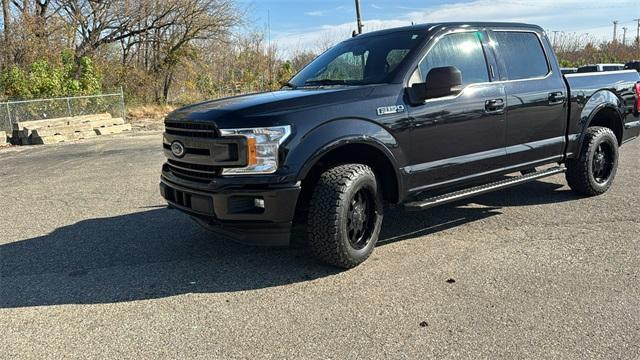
{"x":588,"y":90}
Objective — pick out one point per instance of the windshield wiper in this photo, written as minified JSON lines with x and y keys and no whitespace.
{"x":290,"y":85}
{"x":326,"y":82}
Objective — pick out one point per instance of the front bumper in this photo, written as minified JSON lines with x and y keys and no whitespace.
{"x":261,"y":216}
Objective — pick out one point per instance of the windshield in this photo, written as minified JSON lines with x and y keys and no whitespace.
{"x":359,"y":61}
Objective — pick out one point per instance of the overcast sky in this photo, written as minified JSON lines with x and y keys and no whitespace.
{"x":305,"y":23}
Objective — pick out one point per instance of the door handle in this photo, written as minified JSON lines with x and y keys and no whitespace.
{"x":556,"y":97}
{"x":494,"y":106}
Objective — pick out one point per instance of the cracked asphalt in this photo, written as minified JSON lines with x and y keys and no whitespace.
{"x":94,"y":266}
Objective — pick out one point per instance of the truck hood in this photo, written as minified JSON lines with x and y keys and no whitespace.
{"x":268,"y":105}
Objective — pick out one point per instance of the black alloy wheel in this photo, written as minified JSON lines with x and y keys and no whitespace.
{"x":603,"y":161}
{"x":345,"y":215}
{"x":593,"y":172}
{"x":360,"y":219}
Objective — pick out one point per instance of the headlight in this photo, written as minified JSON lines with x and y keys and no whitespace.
{"x":262,"y":149}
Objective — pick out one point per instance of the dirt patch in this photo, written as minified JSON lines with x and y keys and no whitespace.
{"x":148,"y":117}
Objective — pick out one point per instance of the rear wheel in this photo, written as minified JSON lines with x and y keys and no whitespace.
{"x":345,"y":215}
{"x":593,"y":173}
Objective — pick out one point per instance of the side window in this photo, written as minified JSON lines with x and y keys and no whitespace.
{"x":586,"y":69}
{"x":462,"y":50}
{"x":522,"y":54}
{"x":611,"y":68}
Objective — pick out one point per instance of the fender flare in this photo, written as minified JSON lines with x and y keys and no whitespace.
{"x":330,"y":136}
{"x":598,"y":102}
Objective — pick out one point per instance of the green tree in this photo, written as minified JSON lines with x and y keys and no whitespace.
{"x":90,"y":80}
{"x":14,"y":83}
{"x":45,"y":80}
{"x":70,"y":85}
{"x":285,"y":73}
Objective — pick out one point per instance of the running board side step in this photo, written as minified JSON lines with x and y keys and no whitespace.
{"x":482,"y":189}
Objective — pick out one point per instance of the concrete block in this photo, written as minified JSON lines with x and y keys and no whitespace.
{"x":37,"y":124}
{"x":54,"y":139}
{"x":116,"y":129}
{"x":62,"y":130}
{"x":3,"y":138}
{"x":46,"y":140}
{"x":83,"y":135}
{"x":65,"y":121}
{"x":51,"y":131}
{"x":100,"y":123}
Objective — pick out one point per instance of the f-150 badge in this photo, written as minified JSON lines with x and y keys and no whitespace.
{"x":387,"y":110}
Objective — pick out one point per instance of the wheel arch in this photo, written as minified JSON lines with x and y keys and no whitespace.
{"x":607,"y":115}
{"x":367,"y":151}
{"x":604,"y":109}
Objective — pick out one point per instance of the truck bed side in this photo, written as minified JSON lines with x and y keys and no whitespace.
{"x":598,"y":97}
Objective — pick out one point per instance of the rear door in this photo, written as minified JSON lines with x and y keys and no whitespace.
{"x":536,"y":97}
{"x":457,"y":137}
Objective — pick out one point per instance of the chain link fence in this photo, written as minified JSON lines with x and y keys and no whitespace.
{"x":12,"y":112}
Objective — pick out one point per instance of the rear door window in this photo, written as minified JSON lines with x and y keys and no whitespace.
{"x":522,"y":53}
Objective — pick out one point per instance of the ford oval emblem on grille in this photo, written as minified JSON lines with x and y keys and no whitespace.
{"x":177,"y":149}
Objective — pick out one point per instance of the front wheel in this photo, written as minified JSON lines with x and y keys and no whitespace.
{"x":345,"y":215}
{"x":593,"y":173}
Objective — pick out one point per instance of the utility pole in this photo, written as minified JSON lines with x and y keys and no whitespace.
{"x":615,"y":30}
{"x":269,"y":47}
{"x":555,"y":33}
{"x":358,"y":17}
{"x":637,"y":32}
{"x":624,"y":35}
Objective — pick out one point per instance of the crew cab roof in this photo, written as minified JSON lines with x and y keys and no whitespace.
{"x":440,"y":25}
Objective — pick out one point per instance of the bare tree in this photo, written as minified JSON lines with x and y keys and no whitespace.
{"x":7,"y":21}
{"x":194,"y":21}
{"x":101,"y":22}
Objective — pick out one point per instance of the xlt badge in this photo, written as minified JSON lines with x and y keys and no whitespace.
{"x":393,"y":109}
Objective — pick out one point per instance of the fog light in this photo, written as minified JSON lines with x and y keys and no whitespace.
{"x":259,"y":203}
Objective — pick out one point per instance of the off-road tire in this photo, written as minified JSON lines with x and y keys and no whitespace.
{"x":580,"y":172}
{"x":329,"y":214}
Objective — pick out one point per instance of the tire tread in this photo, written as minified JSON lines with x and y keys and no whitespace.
{"x":577,"y":175}
{"x":324,"y":212}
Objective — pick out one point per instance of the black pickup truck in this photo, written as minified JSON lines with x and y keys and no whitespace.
{"x":416,"y":116}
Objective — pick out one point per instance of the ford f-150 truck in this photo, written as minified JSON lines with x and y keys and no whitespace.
{"x":416,"y":116}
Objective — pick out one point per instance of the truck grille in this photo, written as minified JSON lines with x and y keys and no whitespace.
{"x":206,"y":152}
{"x":191,"y":129}
{"x":192,"y":172}
{"x":185,"y":169}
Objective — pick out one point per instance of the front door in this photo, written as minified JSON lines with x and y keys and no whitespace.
{"x":457,"y":138}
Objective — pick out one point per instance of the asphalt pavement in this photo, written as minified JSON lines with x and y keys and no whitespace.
{"x":93,"y":265}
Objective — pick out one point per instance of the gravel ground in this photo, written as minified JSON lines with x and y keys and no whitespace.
{"x":94,"y":266}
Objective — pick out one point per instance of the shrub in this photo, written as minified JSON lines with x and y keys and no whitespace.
{"x":45,"y":79}
{"x":14,"y":83}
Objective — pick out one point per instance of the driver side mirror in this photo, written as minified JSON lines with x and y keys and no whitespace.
{"x":440,"y":82}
